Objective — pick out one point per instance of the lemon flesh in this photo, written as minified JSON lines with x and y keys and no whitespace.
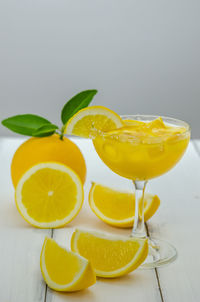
{"x":49,"y":195}
{"x":92,"y":121}
{"x":111,"y":256}
{"x":64,"y":270}
{"x":117,"y":208}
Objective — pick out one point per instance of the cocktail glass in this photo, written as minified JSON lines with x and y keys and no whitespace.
{"x":141,"y":159}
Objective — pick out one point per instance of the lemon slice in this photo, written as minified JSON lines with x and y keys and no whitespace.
{"x":133,"y":123}
{"x":49,"y":195}
{"x":157,"y":123}
{"x":64,"y":270}
{"x":117,"y":208}
{"x":111,"y":256}
{"x":90,"y":121}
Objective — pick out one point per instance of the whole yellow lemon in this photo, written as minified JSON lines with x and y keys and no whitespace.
{"x":45,"y":149}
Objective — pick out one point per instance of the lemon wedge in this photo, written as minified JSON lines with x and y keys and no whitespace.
{"x":110,"y":255}
{"x":157,"y":123}
{"x":64,"y":270}
{"x":93,"y":120}
{"x":49,"y":195}
{"x":117,"y":208}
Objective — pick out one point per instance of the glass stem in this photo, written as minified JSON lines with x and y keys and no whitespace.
{"x":138,"y":227}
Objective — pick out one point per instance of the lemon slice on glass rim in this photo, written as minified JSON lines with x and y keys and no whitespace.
{"x":91,"y":121}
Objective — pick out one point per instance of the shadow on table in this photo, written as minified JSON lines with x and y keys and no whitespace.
{"x":10,"y":217}
{"x":87,"y":219}
{"x":84,"y":295}
{"x":99,"y":291}
{"x":127,"y":280}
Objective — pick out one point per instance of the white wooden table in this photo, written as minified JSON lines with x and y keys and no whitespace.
{"x":177,"y":220}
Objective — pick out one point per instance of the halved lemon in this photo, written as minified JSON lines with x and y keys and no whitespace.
{"x":64,"y":270}
{"x":89,"y":121}
{"x":117,"y":208}
{"x":49,"y":195}
{"x":110,"y":255}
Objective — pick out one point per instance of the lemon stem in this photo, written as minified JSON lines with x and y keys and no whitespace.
{"x":62,"y":133}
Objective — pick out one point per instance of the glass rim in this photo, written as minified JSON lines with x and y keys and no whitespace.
{"x":152,"y":140}
{"x":172,"y":119}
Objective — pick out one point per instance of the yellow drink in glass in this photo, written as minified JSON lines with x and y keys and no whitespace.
{"x":142,"y":150}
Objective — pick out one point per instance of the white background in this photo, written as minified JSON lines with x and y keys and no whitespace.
{"x":142,"y":56}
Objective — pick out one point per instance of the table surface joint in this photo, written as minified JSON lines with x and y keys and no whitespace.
{"x":155,"y":270}
{"x":46,"y":288}
{"x":159,"y":285}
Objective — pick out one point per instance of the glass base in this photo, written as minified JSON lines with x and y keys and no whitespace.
{"x":160,"y":253}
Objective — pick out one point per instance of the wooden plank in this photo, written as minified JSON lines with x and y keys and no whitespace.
{"x":21,"y":244}
{"x":139,"y":285}
{"x":178,"y":222}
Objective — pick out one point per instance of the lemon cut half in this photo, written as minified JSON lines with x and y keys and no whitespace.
{"x":64,"y":270}
{"x":49,"y":195}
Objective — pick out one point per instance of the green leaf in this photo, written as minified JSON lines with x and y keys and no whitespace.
{"x":78,"y":102}
{"x":25,"y":124}
{"x":45,"y":130}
